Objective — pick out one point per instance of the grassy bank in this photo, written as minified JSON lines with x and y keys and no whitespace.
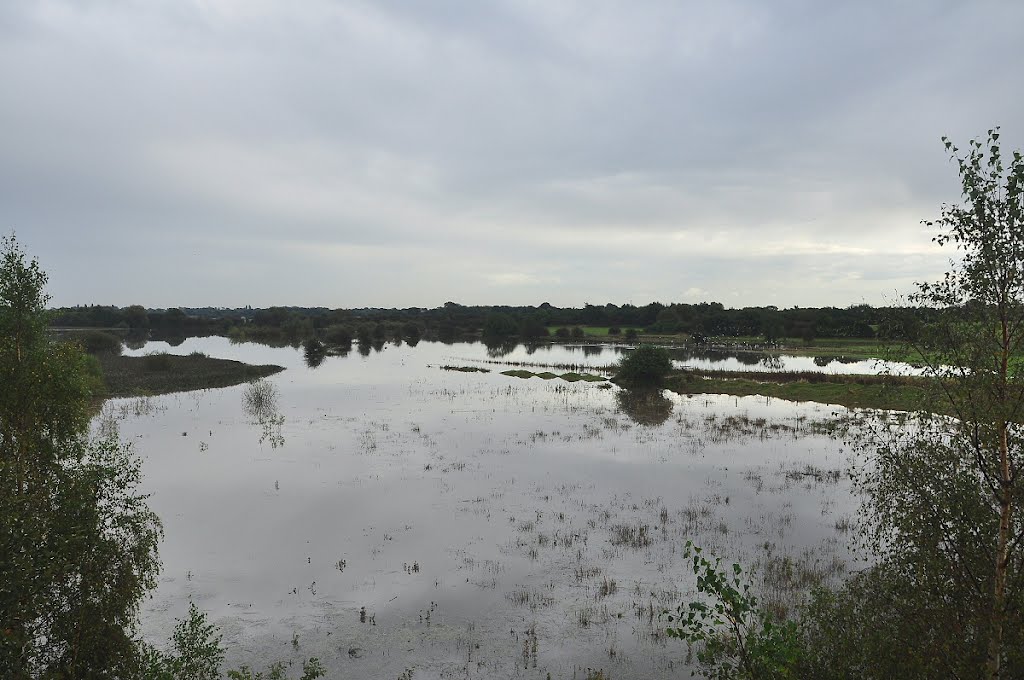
{"x":126,"y":376}
{"x":852,"y":391}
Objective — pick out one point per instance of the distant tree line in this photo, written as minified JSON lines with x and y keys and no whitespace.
{"x":452,"y":321}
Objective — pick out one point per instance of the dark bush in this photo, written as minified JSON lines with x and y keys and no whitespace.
{"x":577,"y":333}
{"x":646,"y":364}
{"x":562,"y":333}
{"x":338,"y":334}
{"x":411,"y":332}
{"x":533,"y":327}
{"x":98,"y":342}
{"x":364,"y":334}
{"x":614,"y":330}
{"x":314,"y":352}
{"x":500,"y":326}
{"x":631,"y":334}
{"x":862,"y":329}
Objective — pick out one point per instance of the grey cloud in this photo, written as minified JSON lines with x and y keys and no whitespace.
{"x":518,"y":150}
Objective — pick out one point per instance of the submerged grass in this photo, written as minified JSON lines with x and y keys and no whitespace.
{"x":548,"y":375}
{"x":127,"y":376}
{"x":466,"y":369}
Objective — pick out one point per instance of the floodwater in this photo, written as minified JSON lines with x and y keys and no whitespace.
{"x":397,"y":520}
{"x":604,"y":356}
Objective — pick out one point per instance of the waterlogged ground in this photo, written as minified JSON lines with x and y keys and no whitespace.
{"x":597,"y":356}
{"x":397,"y":520}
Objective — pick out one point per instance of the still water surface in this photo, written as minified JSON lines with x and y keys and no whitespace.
{"x":387,"y":515}
{"x":598,"y":356}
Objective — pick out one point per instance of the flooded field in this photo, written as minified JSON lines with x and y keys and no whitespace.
{"x":603,"y":356}
{"x":398,"y":520}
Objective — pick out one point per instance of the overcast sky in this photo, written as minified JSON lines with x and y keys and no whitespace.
{"x":397,"y":154}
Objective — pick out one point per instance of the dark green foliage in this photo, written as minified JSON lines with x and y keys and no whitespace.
{"x":614,"y":330}
{"x":930,"y":521}
{"x":646,"y":365}
{"x":807,"y":334}
{"x":136,"y":317}
{"x":311,"y":670}
{"x":313,"y":352}
{"x":267,"y":335}
{"x":901,"y":325}
{"x":734,"y":639}
{"x":577,"y":333}
{"x":500,"y":325}
{"x":631,"y":334}
{"x":881,"y":624}
{"x":773,"y":329}
{"x":98,"y":342}
{"x":533,"y":327}
{"x":411,"y":333}
{"x":195,"y":653}
{"x":976,"y":459}
{"x":862,"y":329}
{"x":338,"y":335}
{"x":562,"y":333}
{"x":669,"y":320}
{"x":289,"y":325}
{"x":941,"y":509}
{"x":364,"y":334}
{"x":78,"y":544}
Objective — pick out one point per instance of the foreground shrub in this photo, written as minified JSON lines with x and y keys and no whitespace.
{"x":196,"y":653}
{"x":78,"y":542}
{"x":733,"y":636}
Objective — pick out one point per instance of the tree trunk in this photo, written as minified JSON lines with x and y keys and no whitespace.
{"x":995,"y":643}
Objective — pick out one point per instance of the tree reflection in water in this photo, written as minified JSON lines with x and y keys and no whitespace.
{"x":313,"y":352}
{"x":259,"y":401}
{"x":648,"y":407}
{"x":498,"y":349}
